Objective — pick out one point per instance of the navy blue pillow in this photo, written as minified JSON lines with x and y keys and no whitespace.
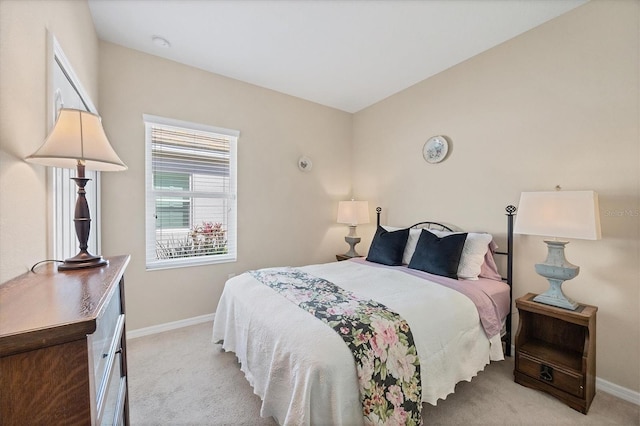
{"x":438,"y":256}
{"x":387,"y":247}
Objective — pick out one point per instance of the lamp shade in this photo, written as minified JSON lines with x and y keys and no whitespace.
{"x":77,"y":136}
{"x":564,"y":214}
{"x":353,"y":212}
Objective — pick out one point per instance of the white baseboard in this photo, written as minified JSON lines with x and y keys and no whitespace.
{"x":154,"y":329}
{"x":618,"y":391}
{"x":601,"y":384}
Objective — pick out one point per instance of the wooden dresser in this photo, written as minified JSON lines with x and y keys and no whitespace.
{"x":556,"y":351}
{"x":63,"y":358}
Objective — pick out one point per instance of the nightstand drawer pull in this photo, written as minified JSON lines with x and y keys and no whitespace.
{"x":546,"y":373}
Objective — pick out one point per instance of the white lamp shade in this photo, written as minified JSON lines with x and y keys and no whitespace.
{"x":353,"y":212}
{"x":563,"y":214}
{"x":77,"y":136}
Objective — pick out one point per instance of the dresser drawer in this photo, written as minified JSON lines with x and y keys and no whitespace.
{"x":553,"y":375}
{"x":113,"y":403}
{"x":102,"y":339}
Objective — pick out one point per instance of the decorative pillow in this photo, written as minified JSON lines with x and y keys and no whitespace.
{"x":387,"y":247}
{"x":473,"y":253}
{"x":438,"y":256}
{"x":414,"y":234}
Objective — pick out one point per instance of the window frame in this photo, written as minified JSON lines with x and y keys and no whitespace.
{"x":151,"y":261}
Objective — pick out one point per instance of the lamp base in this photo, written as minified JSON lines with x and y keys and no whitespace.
{"x":82,"y":260}
{"x":555,"y":297}
{"x":556,"y":269}
{"x":82,"y":221}
{"x":352,"y":241}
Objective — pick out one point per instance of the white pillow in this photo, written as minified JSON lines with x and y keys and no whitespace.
{"x":412,"y":242}
{"x":475,"y":247}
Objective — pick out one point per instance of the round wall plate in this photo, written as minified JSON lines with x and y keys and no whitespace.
{"x":305,"y":164}
{"x":435,"y":149}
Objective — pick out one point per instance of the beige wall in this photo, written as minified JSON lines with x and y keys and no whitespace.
{"x":285,"y":216}
{"x":23,"y":112}
{"x":557,"y":105}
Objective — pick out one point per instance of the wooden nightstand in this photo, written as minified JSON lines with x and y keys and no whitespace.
{"x":556,"y":351}
{"x":340,"y":257}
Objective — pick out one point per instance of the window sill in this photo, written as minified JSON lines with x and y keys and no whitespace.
{"x":191,"y":261}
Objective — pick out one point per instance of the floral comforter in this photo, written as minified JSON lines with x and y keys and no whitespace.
{"x":379,"y":339}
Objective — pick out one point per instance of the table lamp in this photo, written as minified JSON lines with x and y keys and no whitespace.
{"x":78,"y":141}
{"x":563,"y":214}
{"x":353,"y":213}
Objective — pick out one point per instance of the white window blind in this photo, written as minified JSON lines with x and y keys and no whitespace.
{"x":191,"y":193}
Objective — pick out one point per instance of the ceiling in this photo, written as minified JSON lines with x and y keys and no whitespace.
{"x":343,"y":54}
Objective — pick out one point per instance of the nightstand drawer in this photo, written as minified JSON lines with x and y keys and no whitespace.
{"x":553,"y":375}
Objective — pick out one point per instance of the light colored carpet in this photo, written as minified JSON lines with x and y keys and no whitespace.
{"x":181,"y":378}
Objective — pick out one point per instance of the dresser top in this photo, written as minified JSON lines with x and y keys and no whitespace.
{"x":55,"y":306}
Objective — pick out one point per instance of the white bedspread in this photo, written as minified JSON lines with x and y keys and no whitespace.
{"x":303,"y":371}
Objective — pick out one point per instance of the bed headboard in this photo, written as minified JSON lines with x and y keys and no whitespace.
{"x":511,"y":210}
{"x":510,"y":213}
{"x":419,"y":225}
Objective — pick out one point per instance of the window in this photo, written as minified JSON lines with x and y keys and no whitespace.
{"x":191,"y":193}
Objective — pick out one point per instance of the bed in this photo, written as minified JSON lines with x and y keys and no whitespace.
{"x":304,"y":372}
